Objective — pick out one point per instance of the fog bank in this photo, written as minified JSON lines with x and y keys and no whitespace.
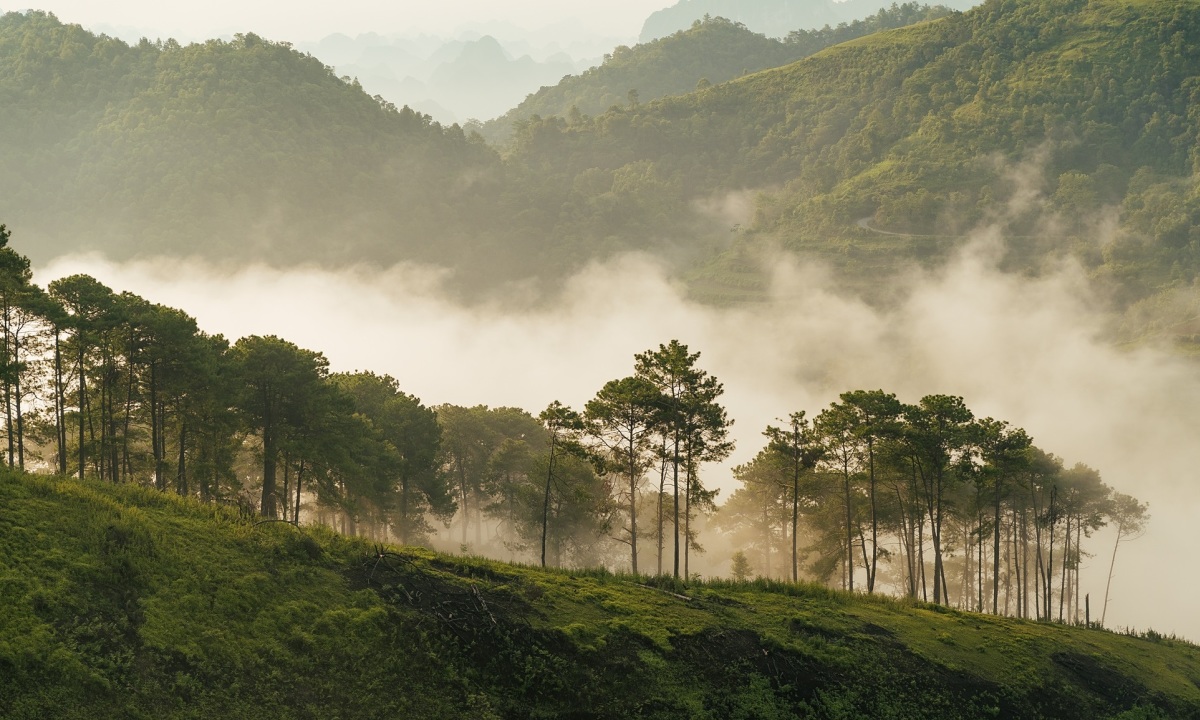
{"x":1029,"y":351}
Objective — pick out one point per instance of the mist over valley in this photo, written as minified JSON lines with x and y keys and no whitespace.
{"x":1037,"y":353}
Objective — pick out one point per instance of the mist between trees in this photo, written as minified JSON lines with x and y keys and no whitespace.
{"x":870,"y":494}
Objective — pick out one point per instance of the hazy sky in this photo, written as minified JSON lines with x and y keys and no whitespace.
{"x":299,"y":20}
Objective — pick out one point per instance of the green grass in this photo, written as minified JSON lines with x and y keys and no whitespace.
{"x":123,"y":602}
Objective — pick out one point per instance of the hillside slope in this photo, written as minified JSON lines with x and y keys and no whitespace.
{"x":123,"y":602}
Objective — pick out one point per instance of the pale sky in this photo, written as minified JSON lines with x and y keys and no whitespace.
{"x":301,"y":20}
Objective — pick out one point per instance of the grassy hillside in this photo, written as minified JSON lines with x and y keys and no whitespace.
{"x":123,"y":602}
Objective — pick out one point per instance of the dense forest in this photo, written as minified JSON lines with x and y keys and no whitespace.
{"x":1066,"y":129}
{"x":949,"y":507}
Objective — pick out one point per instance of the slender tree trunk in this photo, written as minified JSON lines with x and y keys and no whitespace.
{"x":156,"y":431}
{"x":1112,"y":564}
{"x":126,"y":470}
{"x":766,"y":540}
{"x":1025,"y":563}
{"x":466,"y":515}
{"x":687,"y":514}
{"x":632,"y":506}
{"x":1046,"y":596}
{"x":181,"y":482}
{"x":270,"y":457}
{"x":935,"y":531}
{"x":1039,"y":587}
{"x":546,"y":500}
{"x":675,"y":483}
{"x":20,"y":414}
{"x":285,"y":508}
{"x":795,"y":520}
{"x":1014,"y":559}
{"x":1079,"y":559}
{"x":10,"y":363}
{"x":921,"y":556}
{"x":1063,"y":586}
{"x":82,"y":407}
{"x":299,"y":488}
{"x":874,"y":519}
{"x":60,"y":403}
{"x":849,"y":558}
{"x":403,"y":508}
{"x":996,"y":553}
{"x":662,"y":483}
{"x":979,"y":567}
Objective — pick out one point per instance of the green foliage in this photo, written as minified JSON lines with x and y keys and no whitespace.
{"x":1028,"y":115}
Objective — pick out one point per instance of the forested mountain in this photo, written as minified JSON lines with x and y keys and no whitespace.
{"x":1039,"y":118}
{"x":122,"y":601}
{"x":712,"y":50}
{"x":774,"y":18}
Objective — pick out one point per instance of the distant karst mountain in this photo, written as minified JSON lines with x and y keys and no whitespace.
{"x":451,"y":80}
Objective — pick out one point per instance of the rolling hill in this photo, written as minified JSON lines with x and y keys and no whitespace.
{"x":121,"y":601}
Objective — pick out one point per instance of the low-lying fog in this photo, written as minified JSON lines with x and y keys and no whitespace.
{"x":1027,"y":351}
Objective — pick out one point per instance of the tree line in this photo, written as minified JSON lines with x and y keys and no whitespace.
{"x":924,"y":499}
{"x":949,"y":507}
{"x":111,"y":386}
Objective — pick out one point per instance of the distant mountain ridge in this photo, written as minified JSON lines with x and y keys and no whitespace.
{"x":712,"y":50}
{"x":451,"y":80}
{"x":773,"y":18}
